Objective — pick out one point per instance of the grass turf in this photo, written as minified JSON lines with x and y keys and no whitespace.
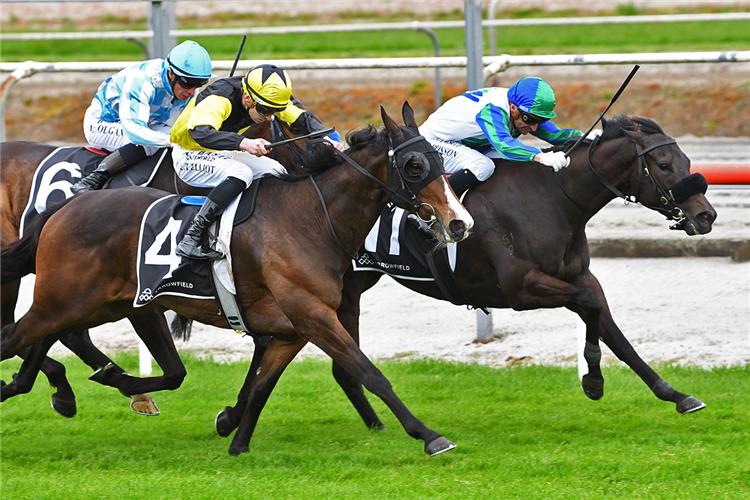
{"x":526,"y":432}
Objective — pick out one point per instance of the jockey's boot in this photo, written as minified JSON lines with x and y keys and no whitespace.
{"x":218,"y":199}
{"x":190,"y":246}
{"x":462,"y":181}
{"x":119,"y":160}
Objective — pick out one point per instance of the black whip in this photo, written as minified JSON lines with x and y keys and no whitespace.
{"x":236,"y":59}
{"x":614,"y":98}
{"x":317,"y":133}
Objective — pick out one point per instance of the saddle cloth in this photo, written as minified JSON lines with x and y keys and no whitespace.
{"x":160,"y":270}
{"x":398,"y":248}
{"x":65,"y":166}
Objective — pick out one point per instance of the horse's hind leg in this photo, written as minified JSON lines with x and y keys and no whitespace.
{"x":152,"y":328}
{"x":623,"y":349}
{"x":274,"y":361}
{"x":79,"y":342}
{"x":34,"y":357}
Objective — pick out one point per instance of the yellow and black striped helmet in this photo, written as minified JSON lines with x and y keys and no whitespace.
{"x":269,"y":86}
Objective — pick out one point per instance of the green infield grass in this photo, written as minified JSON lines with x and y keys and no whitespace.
{"x":522,"y":433}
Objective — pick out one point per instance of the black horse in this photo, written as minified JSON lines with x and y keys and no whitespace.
{"x":529,"y":249}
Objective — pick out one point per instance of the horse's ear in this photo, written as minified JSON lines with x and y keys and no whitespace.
{"x":633,"y":135}
{"x":393,"y":128}
{"x":407,"y":113}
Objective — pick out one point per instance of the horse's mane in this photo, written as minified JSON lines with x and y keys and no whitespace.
{"x":616,"y":126}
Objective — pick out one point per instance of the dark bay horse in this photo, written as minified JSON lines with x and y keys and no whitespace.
{"x":528,"y":249}
{"x":289,"y":259}
{"x":18,"y":164}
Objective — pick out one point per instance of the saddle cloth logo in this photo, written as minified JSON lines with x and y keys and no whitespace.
{"x":396,"y":247}
{"x":160,"y":270}
{"x":65,"y":166}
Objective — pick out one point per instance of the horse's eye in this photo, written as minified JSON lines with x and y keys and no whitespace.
{"x":664,"y":166}
{"x":414,"y":168}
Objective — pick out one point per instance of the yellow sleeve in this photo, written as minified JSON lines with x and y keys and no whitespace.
{"x":212,"y":110}
{"x":290,"y":114}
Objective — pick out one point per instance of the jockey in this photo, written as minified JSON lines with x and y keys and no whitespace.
{"x":476,"y":126}
{"x":132,"y":112}
{"x":208,"y":150}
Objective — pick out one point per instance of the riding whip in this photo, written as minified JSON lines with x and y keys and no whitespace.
{"x":236,"y":59}
{"x":614,"y":98}
{"x":317,"y":133}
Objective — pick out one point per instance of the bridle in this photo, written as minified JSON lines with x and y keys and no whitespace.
{"x":399,"y":186}
{"x":687,"y":187}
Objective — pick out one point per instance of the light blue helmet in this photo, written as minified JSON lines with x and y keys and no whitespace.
{"x":534,"y":96}
{"x":190,"y":60}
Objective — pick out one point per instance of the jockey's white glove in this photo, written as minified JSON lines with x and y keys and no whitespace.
{"x":556,"y":160}
{"x":594,"y":134}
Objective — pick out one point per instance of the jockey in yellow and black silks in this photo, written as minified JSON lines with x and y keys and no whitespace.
{"x":209,"y":150}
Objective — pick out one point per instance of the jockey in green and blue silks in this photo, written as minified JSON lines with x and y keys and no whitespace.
{"x":133,"y":111}
{"x":476,"y":126}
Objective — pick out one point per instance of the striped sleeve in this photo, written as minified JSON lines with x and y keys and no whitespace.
{"x":551,"y":133}
{"x":135,"y":111}
{"x":493,"y":120}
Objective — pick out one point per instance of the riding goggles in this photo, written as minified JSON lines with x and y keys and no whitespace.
{"x":191,"y":83}
{"x":264,"y":110}
{"x":530,"y":119}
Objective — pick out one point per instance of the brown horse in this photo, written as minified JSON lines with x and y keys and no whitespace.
{"x":529,"y":249}
{"x":289,"y":259}
{"x":19,"y":162}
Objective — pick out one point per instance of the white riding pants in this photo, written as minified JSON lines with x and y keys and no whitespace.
{"x":457,"y":157}
{"x":110,"y":135}
{"x":208,"y":168}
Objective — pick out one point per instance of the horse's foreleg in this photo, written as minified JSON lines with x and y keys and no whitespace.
{"x":541,"y":290}
{"x":348,"y":315}
{"x":275,"y":359}
{"x":229,"y":418}
{"x":623,"y":349}
{"x":320,"y":326}
{"x":152,"y":328}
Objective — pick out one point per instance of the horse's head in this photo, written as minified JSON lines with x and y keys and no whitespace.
{"x":416,"y":179}
{"x":662,"y":180}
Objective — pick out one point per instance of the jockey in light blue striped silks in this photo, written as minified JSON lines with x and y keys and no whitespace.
{"x":476,"y":126}
{"x":133,"y":111}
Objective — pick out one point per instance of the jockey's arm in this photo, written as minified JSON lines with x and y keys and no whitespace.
{"x":205,"y":122}
{"x":553,"y":134}
{"x":135,"y":101}
{"x":303,"y":122}
{"x":495,"y":123}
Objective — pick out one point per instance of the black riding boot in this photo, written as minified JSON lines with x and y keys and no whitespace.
{"x":462,"y":181}
{"x":218,"y":199}
{"x":95,"y":180}
{"x":119,"y":160}
{"x":190,"y":246}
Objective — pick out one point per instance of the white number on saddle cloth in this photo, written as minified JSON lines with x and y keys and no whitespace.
{"x":152,"y":255}
{"x":47,"y":186}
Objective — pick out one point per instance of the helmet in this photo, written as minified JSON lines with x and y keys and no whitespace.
{"x":269,"y":86}
{"x":534,"y":96}
{"x":190,"y":60}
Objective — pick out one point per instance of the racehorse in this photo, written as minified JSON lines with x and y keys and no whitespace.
{"x":289,"y":259}
{"x":19,"y":162}
{"x":529,"y":249}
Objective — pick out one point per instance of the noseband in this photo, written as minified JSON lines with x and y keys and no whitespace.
{"x":677,"y":193}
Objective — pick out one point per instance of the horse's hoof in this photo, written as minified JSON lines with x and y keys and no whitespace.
{"x":690,"y":404}
{"x":594,"y":389}
{"x":65,"y":407}
{"x":143,"y":404}
{"x":438,"y":446}
{"x":236,"y":450}
{"x":223,"y":423}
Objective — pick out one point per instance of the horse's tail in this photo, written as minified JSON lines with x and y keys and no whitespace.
{"x":181,"y":328}
{"x":19,"y":258}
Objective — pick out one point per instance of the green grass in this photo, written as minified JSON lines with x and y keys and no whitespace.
{"x":525,"y":432}
{"x":671,"y":37}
